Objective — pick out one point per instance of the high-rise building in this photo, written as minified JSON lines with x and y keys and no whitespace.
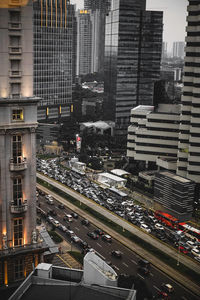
{"x":153,"y":135}
{"x":74,"y":42}
{"x":174,"y":194}
{"x":20,"y":247}
{"x":84,"y":42}
{"x":164,"y":50}
{"x":178,"y":49}
{"x":189,"y":131}
{"x":133,"y":45}
{"x":99,"y":9}
{"x":96,"y":4}
{"x":52,"y":42}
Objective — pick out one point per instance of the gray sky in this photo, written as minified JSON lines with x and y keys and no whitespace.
{"x":174,"y":20}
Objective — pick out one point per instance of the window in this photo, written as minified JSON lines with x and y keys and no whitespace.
{"x":19,"y":269}
{"x":17,"y":191}
{"x":17,"y":115}
{"x":17,"y":149}
{"x":18,"y":232}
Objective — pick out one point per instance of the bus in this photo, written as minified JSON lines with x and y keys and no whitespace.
{"x":166,"y":219}
{"x":119,"y":195}
{"x":189,"y":231}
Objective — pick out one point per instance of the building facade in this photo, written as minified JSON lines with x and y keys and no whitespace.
{"x":174,"y":194}
{"x":52,"y":61}
{"x":189,"y":132}
{"x":153,"y":135}
{"x":20,"y":246}
{"x":84,"y":42}
{"x":133,"y":45}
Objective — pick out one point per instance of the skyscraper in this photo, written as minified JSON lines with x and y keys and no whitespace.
{"x":178,"y":49}
{"x":133,"y":46}
{"x":20,"y":247}
{"x":84,"y":42}
{"x":52,"y":25}
{"x":189,"y":131}
{"x":99,"y":9}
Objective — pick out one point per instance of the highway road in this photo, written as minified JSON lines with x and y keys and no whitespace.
{"x":129,"y":262}
{"x":190,"y":263}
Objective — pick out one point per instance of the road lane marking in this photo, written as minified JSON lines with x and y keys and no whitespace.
{"x":133,"y":261}
{"x":116,"y":267}
{"x":77,"y":228}
{"x":151,"y":274}
{"x":141,"y":276}
{"x":99,"y":245}
{"x":125,"y":264}
{"x":156,"y":288}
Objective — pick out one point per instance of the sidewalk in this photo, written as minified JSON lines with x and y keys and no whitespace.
{"x":64,"y":259}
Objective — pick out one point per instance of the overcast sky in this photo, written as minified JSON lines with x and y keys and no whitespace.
{"x":174,"y":20}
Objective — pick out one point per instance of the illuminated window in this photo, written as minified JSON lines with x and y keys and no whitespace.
{"x":17,"y":148}
{"x":18,"y":232}
{"x":17,"y":115}
{"x":17,"y":191}
{"x":19,"y":268}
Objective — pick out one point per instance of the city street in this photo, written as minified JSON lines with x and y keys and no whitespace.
{"x":129,"y":262}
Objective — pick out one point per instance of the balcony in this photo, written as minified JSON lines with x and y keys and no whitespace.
{"x":20,"y":208}
{"x":20,"y":165}
{"x":15,"y":74}
{"x":15,"y":25}
{"x":15,"y":50}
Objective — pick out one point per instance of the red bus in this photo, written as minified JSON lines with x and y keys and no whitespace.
{"x":191,"y":232}
{"x":166,"y":219}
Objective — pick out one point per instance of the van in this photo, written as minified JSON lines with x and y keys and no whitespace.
{"x":68,"y":218}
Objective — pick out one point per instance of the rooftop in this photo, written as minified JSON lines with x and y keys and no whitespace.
{"x":67,"y":292}
{"x":113,"y":177}
{"x":176,"y":177}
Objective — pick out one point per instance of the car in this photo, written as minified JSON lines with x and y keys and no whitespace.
{"x":168,"y":288}
{"x":197,"y":258}
{"x":159,"y":226}
{"x":161,"y":236}
{"x":74,"y":215}
{"x":162,"y":295}
{"x":61,"y":206}
{"x":107,"y":238}
{"x":195,"y":252}
{"x":70,"y":233}
{"x":116,"y":253}
{"x":191,"y":244}
{"x":52,"y":212}
{"x":56,"y":223}
{"x":145,"y":228}
{"x":63,"y":228}
{"x":75,"y":239}
{"x":99,"y":231}
{"x":144,"y":263}
{"x":93,"y":235}
{"x":85,"y":222}
{"x":143,"y":270}
{"x":84,"y":244}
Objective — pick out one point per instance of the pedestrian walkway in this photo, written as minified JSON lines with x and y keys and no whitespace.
{"x":64,"y":259}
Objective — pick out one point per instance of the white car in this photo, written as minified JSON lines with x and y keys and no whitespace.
{"x":158,"y":226}
{"x":191,"y":244}
{"x":145,"y":227}
{"x":195,"y":252}
{"x":56,"y":223}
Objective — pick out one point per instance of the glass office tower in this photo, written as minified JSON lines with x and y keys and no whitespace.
{"x":133,"y":45}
